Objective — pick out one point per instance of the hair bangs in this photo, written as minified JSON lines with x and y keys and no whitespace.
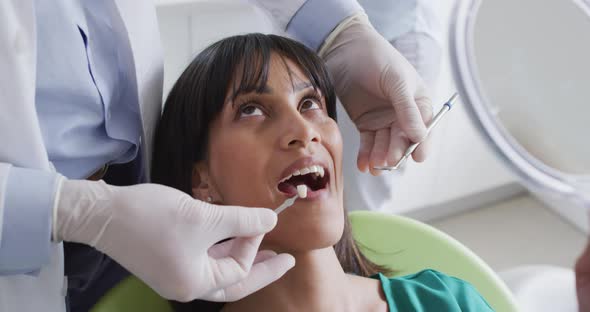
{"x":250,"y":72}
{"x":250,"y":69}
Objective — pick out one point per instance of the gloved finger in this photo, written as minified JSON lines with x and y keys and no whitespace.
{"x":379,"y":151}
{"x":398,"y":143}
{"x":419,"y":155}
{"x":262,"y":274}
{"x":235,"y":221}
{"x":234,"y":260}
{"x":425,"y":107}
{"x":409,"y":116}
{"x":424,"y":104}
{"x":367,"y":142}
{"x":223,"y":249}
{"x":220,"y":249}
{"x":264,"y":255}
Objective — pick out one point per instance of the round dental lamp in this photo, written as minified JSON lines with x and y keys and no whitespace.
{"x":522,"y":69}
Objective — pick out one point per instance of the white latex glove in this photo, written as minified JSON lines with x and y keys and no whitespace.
{"x":381,"y":91}
{"x":168,"y":239}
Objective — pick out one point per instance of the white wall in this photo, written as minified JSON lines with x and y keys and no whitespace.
{"x":189,"y":26}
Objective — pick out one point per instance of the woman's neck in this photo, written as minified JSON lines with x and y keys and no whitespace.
{"x":316,"y":283}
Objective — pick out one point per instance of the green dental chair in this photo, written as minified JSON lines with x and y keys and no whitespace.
{"x":405,"y":245}
{"x":409,"y":246}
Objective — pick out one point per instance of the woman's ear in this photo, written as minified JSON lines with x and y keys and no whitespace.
{"x":201,"y":187}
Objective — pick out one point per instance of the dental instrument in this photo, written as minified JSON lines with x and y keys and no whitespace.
{"x":445,"y":108}
{"x":301,"y":193}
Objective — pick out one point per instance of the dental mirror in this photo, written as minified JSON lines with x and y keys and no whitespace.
{"x":522,"y":69}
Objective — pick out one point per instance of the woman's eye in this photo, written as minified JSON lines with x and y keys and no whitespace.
{"x":249,"y":111}
{"x":309,"y":104}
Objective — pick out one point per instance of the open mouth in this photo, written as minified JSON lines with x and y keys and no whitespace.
{"x":314,"y":177}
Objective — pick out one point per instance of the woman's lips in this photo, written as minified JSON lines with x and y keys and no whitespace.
{"x":315,"y":185}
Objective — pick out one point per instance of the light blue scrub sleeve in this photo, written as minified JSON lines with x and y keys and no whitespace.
{"x":26,"y":230}
{"x":316,"y":19}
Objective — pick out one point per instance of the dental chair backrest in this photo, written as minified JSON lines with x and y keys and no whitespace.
{"x":405,"y":245}
{"x":132,"y":295}
{"x":408,"y":246}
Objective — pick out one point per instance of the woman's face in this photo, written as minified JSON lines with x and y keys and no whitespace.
{"x":262,"y":146}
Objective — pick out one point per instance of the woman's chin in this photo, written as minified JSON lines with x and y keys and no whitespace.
{"x":303,"y":238}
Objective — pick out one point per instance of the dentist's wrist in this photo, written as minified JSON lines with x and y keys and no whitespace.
{"x":54,"y":210}
{"x":311,"y":25}
{"x":83,"y":211}
{"x":355,"y":19}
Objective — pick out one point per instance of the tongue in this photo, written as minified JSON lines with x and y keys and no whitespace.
{"x":288,"y":188}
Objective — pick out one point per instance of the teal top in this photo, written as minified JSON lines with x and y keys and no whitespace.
{"x":430,"y":290}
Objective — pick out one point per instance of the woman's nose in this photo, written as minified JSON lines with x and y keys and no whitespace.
{"x":298,"y":133}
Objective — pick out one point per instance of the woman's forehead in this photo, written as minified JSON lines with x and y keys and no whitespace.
{"x":280,"y":74}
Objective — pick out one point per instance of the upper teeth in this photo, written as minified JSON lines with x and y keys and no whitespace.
{"x":318,"y":170}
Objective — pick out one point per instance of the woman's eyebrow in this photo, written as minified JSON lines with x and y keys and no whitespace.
{"x":297,"y":87}
{"x":301,"y":86}
{"x":237,"y":93}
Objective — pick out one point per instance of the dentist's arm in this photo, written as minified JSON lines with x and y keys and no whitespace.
{"x":382,"y":93}
{"x":160,"y":234}
{"x":26,"y":191}
{"x":163,"y":236}
{"x":309,"y":21}
{"x":169,"y":240}
{"x":28,"y":197}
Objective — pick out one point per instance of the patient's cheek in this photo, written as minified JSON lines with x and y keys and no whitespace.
{"x":237,"y":162}
{"x":331,"y":135}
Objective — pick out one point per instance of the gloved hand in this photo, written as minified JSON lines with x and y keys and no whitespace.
{"x":168,"y":239}
{"x":381,"y":91}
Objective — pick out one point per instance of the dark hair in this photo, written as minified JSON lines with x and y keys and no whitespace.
{"x":198,"y":97}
